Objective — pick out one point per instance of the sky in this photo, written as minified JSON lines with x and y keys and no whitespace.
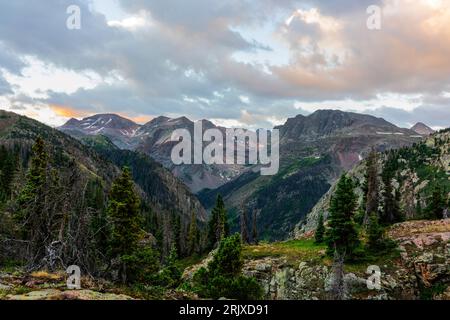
{"x":238,"y":63}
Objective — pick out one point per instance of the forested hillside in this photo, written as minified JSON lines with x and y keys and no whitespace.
{"x":314,"y":151}
{"x":58,"y":204}
{"x":400,"y":184}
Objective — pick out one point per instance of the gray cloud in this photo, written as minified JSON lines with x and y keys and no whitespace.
{"x":432,"y":115}
{"x":38,"y":28}
{"x":9,"y":61}
{"x":5,"y":87}
{"x":182,"y":64}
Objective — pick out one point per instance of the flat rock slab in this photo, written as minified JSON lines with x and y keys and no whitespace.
{"x":53,"y":294}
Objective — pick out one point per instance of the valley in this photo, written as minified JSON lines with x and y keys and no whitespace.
{"x":276,"y":215}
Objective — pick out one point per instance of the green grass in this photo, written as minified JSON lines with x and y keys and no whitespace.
{"x":293,"y":251}
{"x":11,"y":266}
{"x":296,"y":166}
{"x":381,"y":259}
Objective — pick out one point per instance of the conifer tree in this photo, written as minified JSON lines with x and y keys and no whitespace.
{"x":123,"y":211}
{"x":372,"y":186}
{"x":8,"y":165}
{"x":95,"y":201}
{"x":254,"y":228}
{"x":342,"y":235}
{"x":320,"y":231}
{"x":419,"y":210}
{"x":36,"y":176}
{"x":192,"y":235}
{"x":437,"y":203}
{"x":391,"y":208}
{"x":171,"y":271}
{"x":31,"y":198}
{"x":374,"y":234}
{"x":218,"y":224}
{"x":243,"y":223}
{"x":176,"y":232}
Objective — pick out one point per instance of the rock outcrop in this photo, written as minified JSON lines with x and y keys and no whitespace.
{"x":420,"y":270}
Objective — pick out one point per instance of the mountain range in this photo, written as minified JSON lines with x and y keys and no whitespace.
{"x":153,"y":139}
{"x":314,"y":151}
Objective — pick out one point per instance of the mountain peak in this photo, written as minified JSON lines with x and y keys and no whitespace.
{"x":72,"y":122}
{"x":102,"y":120}
{"x":117,"y":128}
{"x":332,"y":122}
{"x":422,"y":128}
{"x":159,"y":119}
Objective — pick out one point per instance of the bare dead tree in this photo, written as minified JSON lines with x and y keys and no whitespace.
{"x":337,"y":281}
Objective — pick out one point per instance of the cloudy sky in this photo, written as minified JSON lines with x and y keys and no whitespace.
{"x":250,"y":63}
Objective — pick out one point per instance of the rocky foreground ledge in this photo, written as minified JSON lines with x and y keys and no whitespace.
{"x":15,"y":285}
{"x":299,"y":270}
{"x":420,"y":270}
{"x":293,"y":270}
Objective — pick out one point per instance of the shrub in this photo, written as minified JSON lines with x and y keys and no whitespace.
{"x":170,"y":275}
{"x":223,"y":276}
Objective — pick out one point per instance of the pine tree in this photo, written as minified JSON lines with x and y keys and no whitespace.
{"x":223,"y":275}
{"x":31,"y":198}
{"x":176,"y":232}
{"x":391,"y":209}
{"x":218,"y":224}
{"x":419,"y":210}
{"x":342,"y":235}
{"x":437,"y":204}
{"x":8,"y":165}
{"x":95,"y":202}
{"x":171,"y":272}
{"x":123,"y":211}
{"x":320,"y":231}
{"x":374,"y":234}
{"x":36,"y":176}
{"x":254,"y":228}
{"x":228,"y":260}
{"x":243,"y":222}
{"x":372,"y":186}
{"x":192,"y":235}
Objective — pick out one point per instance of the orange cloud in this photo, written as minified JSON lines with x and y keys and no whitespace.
{"x":67,"y":112}
{"x":141,"y":119}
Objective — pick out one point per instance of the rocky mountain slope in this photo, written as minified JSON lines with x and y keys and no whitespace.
{"x":420,"y":271}
{"x":153,"y":139}
{"x":418,"y":171}
{"x":120,"y":130}
{"x":84,"y":177}
{"x":422,"y":129}
{"x":299,"y":269}
{"x":314,"y":151}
